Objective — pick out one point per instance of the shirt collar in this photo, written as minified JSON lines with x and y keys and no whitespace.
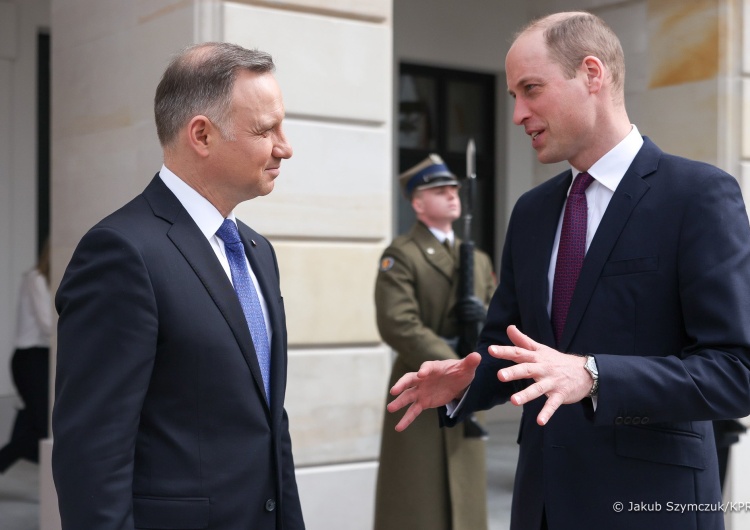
{"x":442,"y":236}
{"x":610,"y":168}
{"x":205,"y":214}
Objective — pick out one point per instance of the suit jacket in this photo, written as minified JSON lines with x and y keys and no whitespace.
{"x":160,"y":418}
{"x":663,"y":303}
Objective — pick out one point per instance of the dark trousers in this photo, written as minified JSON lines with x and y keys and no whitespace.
{"x":30,"y":369}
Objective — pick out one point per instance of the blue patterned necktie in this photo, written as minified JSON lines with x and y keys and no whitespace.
{"x":571,"y":252}
{"x":243,"y":286}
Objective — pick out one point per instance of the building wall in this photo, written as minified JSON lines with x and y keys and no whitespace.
{"x":20,"y":22}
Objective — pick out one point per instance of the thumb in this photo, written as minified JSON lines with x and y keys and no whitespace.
{"x":472,"y":360}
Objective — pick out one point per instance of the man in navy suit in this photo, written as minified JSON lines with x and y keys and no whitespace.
{"x":619,"y":388}
{"x":165,"y":417}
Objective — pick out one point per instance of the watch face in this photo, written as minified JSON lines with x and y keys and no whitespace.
{"x":591,"y":366}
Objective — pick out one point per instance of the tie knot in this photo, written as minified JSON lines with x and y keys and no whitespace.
{"x":228,"y":232}
{"x":582,"y":181}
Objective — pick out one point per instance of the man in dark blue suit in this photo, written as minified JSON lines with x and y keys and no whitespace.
{"x":172,"y":355}
{"x":622,"y":320}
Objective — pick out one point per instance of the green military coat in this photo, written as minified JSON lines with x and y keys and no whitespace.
{"x":429,"y":478}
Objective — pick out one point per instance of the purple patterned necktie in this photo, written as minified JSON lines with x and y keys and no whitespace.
{"x":243,"y":286}
{"x":571,"y":251}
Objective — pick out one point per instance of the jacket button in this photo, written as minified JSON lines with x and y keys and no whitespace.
{"x":270,"y":505}
{"x":618,"y":420}
{"x":636,"y":420}
{"x":628,"y":420}
{"x":644,"y":420}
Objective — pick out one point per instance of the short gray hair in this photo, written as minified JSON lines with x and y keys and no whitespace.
{"x":199,"y":80}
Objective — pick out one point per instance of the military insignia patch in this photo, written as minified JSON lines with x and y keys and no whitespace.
{"x":386,"y":264}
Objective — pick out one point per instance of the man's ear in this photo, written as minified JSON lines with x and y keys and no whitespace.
{"x":200,"y":134}
{"x":595,"y":73}
{"x":416,"y":203}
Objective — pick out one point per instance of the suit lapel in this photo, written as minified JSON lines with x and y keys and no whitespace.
{"x":434,"y":252}
{"x":629,"y":192}
{"x":197,"y":251}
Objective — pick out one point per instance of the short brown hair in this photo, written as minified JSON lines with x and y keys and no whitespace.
{"x":200,"y":80}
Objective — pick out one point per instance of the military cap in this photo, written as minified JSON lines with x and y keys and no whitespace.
{"x":429,"y":173}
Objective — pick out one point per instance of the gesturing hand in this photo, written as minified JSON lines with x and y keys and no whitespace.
{"x":559,"y":376}
{"x":435,"y":384}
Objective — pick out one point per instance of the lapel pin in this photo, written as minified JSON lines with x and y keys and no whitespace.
{"x":252,"y":241}
{"x":430,"y":250}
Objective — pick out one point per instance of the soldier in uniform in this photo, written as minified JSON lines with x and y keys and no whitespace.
{"x":429,"y":478}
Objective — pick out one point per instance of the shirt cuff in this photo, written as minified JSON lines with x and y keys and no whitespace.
{"x":454,"y":407}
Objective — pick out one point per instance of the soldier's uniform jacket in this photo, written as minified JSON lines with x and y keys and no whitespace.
{"x":429,"y":478}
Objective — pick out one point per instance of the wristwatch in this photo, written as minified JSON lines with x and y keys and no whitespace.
{"x":593,"y":371}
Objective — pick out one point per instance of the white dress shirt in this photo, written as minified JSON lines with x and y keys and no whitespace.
{"x":607,"y":173}
{"x":442,"y":236}
{"x":208,"y":219}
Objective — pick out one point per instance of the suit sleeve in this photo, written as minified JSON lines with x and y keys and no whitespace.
{"x":486,"y":391}
{"x":107,"y":334}
{"x":292,"y":510}
{"x":709,"y":378}
{"x":398,"y":315}
{"x":290,"y":497}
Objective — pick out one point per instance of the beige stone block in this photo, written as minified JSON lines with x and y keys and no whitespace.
{"x":338,"y":497}
{"x":684,"y":41}
{"x":81,"y":21}
{"x":681,"y":119}
{"x":335,"y":399}
{"x":154,"y":41}
{"x":49,"y":515}
{"x":328,"y":291}
{"x":91,"y":85}
{"x":745,"y":124}
{"x":629,"y":21}
{"x":150,"y":10}
{"x":334,"y":68}
{"x":744,"y":180}
{"x":94,"y":174}
{"x":8,"y":34}
{"x":377,"y":10}
{"x":336,"y":185}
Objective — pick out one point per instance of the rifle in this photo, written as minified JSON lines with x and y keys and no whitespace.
{"x":469,"y":330}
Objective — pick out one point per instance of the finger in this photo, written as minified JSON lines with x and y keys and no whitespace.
{"x":406,"y":381}
{"x":549,"y":408}
{"x":521,"y":340}
{"x":402,"y":400}
{"x":427,"y":368}
{"x":471,"y":361}
{"x":530,"y":393}
{"x":511,"y":353}
{"x":516,"y":372}
{"x":409,"y":417}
